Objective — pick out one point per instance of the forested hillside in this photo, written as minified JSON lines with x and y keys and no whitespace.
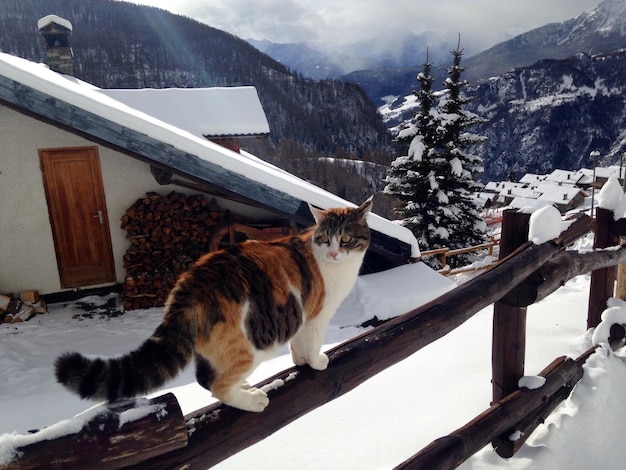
{"x":553,"y":115}
{"x":123,"y":45}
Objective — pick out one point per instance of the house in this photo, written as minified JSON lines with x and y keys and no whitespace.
{"x":74,"y":159}
{"x":224,"y":115}
{"x":560,"y":177}
{"x":602,"y":175}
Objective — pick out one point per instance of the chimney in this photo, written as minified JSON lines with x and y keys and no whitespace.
{"x":56,"y":34}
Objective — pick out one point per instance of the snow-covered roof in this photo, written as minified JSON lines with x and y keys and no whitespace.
{"x":559,"y":194}
{"x":49,"y":19}
{"x":564,"y":176}
{"x":61,"y":98}
{"x":604,"y":172}
{"x":515,"y":191}
{"x":531,"y":178}
{"x":499,"y":186}
{"x":205,"y":112}
{"x":524,"y":203}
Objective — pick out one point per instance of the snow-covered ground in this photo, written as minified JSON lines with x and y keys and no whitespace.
{"x":380,"y":423}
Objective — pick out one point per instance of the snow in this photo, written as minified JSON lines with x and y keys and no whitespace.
{"x":49,"y":19}
{"x":610,"y":196}
{"x":545,"y":225}
{"x":382,"y":422}
{"x":615,"y":313}
{"x":531,"y":382}
{"x":219,"y":111}
{"x":416,"y":149}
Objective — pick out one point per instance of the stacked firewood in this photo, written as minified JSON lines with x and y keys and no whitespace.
{"x":166,"y":234}
{"x":23,"y":308}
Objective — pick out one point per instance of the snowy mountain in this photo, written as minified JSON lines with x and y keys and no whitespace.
{"x":600,"y":29}
{"x":373,"y":54}
{"x":553,"y":114}
{"x":546,"y":116}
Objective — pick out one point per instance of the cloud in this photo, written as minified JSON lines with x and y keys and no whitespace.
{"x":334,"y":23}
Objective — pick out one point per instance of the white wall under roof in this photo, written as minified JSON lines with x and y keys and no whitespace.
{"x":26,"y":245}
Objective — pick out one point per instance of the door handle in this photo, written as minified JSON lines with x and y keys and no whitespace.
{"x":99,"y":217}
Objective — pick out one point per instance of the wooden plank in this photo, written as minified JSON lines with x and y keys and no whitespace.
{"x":509,"y":323}
{"x":502,"y":417}
{"x":120,"y":435}
{"x":602,"y":280}
{"x":219,"y":431}
{"x":555,"y":273}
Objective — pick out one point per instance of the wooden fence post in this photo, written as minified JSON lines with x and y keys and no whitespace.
{"x":602,"y":280}
{"x":620,"y":286}
{"x":509,"y":322}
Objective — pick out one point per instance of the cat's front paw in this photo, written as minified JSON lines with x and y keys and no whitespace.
{"x":252,"y":399}
{"x":319,"y":363}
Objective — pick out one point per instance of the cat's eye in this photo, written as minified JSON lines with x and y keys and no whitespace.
{"x":345,"y":238}
{"x":324,"y":239}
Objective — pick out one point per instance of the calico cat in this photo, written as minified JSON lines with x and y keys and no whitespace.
{"x":233,"y":308}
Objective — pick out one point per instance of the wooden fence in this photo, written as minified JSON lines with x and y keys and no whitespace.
{"x":164,"y":440}
{"x":446,"y":253}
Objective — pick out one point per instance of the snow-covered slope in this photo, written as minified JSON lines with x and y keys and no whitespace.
{"x":380,"y":423}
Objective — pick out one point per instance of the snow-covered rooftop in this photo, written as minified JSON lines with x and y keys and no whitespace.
{"x":526,"y":203}
{"x":564,"y":176}
{"x":499,"y":186}
{"x":557,"y":193}
{"x":531,"y":178}
{"x":516,"y":191}
{"x":90,"y":99}
{"x":604,"y":172}
{"x":205,"y":112}
{"x":49,"y":19}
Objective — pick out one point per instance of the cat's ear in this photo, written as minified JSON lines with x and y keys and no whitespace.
{"x":318,"y":214}
{"x":366,"y":207}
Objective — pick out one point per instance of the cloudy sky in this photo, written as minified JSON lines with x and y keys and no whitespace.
{"x":481,"y":23}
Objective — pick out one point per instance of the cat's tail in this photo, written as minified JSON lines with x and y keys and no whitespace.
{"x":141,"y":371}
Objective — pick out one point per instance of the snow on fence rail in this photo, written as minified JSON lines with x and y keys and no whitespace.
{"x":206,"y":437}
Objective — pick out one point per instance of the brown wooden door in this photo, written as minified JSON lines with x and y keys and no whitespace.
{"x":78,"y":215}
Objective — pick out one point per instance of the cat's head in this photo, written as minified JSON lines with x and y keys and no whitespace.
{"x":341,"y":233}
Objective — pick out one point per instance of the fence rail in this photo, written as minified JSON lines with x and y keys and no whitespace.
{"x":446,"y":253}
{"x":213,"y":434}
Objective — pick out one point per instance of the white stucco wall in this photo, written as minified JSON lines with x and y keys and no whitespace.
{"x":27,"y":257}
{"x":26,"y":245}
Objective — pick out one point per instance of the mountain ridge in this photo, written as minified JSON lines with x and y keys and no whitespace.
{"x":599,"y":29}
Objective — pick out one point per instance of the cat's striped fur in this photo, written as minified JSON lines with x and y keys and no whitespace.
{"x":232,"y":308}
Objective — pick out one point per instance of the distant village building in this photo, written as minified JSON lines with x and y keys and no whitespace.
{"x":563,"y":189}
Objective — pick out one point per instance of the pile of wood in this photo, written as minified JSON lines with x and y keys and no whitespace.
{"x":166,"y":233}
{"x":16,"y":310}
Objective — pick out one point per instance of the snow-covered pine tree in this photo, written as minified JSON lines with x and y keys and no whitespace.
{"x":434,"y":181}
{"x":411,"y":179}
{"x":465,"y":226}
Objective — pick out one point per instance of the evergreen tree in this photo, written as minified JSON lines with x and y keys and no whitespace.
{"x":411,"y":179}
{"x":465,"y":226}
{"x":434,"y":181}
